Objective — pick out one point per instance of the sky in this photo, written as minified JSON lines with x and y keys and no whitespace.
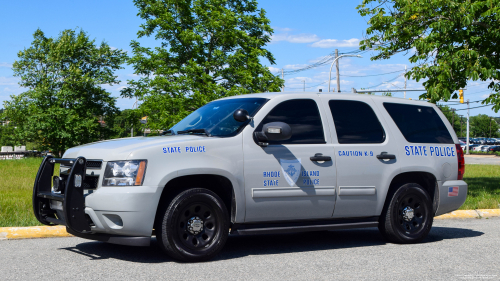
{"x":304,"y":32}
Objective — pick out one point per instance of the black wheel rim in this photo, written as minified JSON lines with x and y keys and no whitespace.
{"x":412,"y":214}
{"x":195,"y":238}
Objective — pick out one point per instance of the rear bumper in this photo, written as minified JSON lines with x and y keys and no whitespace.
{"x":450,"y":201}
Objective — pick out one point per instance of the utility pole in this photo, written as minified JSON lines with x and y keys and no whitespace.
{"x":283,"y":77}
{"x":405,"y":82}
{"x":132,"y":129}
{"x":304,"y":85}
{"x":467,"y":127}
{"x":453,"y":119}
{"x":461,"y":132}
{"x":336,"y":60}
{"x":490,"y":126}
{"x":338,"y":73}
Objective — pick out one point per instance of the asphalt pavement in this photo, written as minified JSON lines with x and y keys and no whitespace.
{"x":456,"y":249}
{"x":485,"y":160}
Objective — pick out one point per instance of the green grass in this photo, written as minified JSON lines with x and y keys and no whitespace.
{"x":484,"y":187}
{"x":497,"y":153}
{"x":17,"y":178}
{"x":16,"y":189}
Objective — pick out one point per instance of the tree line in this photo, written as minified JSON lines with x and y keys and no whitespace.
{"x":209,"y":49}
{"x":480,"y":125}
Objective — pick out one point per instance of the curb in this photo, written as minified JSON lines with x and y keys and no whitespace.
{"x":470,"y":214}
{"x":33,"y":232}
{"x":9,"y":233}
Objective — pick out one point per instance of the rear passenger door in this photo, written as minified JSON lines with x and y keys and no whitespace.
{"x":359,"y":135}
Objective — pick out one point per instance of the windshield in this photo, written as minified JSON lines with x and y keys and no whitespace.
{"x":216,"y":118}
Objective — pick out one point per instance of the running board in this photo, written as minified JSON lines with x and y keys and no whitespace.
{"x":249,"y":229}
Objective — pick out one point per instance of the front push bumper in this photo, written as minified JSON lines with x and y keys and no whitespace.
{"x":72,"y":197}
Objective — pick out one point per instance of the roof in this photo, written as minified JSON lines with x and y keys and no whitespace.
{"x":333,"y":95}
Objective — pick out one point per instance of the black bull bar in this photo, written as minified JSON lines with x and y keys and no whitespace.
{"x":71,"y":196}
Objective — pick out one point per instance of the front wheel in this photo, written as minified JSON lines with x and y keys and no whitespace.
{"x":408,"y":216}
{"x":194,"y":227}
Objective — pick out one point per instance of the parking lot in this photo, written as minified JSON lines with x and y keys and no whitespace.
{"x":484,"y":160}
{"x":457,"y":249}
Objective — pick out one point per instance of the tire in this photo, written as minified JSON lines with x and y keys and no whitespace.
{"x":398,"y":223}
{"x":194,"y":226}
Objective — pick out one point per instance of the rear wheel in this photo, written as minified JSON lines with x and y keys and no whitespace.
{"x":408,"y":217}
{"x":194,"y":227}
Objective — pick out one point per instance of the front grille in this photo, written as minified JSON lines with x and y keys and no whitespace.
{"x":94,"y":164}
{"x":90,"y":182}
{"x":91,"y":164}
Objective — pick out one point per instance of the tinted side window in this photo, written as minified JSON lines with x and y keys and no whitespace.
{"x":420,"y":124}
{"x":355,"y":122}
{"x":303,"y":117}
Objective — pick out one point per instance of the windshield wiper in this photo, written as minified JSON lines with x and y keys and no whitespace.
{"x":168,"y":132}
{"x":195,"y":131}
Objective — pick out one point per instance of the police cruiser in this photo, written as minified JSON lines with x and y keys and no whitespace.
{"x":261,"y":164}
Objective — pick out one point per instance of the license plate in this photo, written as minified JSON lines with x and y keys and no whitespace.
{"x":56,"y":205}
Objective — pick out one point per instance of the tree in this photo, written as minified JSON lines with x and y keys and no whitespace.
{"x":452,"y":117}
{"x":64,"y":101}
{"x":480,"y":126}
{"x":7,"y":136}
{"x":209,"y":49}
{"x":451,"y":42}
{"x":124,"y":121}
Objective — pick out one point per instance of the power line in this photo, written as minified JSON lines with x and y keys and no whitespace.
{"x":458,"y":103}
{"x":307,"y":87}
{"x":474,"y":107}
{"x":367,"y":88}
{"x":351,"y":76}
{"x":479,"y":92}
{"x":322,"y":61}
{"x":372,"y":74}
{"x":357,"y":51}
{"x":480,"y":84}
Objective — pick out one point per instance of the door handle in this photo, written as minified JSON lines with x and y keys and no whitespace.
{"x":385,"y":156}
{"x":320,"y":157}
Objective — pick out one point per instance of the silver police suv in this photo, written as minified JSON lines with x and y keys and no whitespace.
{"x":261,"y":164}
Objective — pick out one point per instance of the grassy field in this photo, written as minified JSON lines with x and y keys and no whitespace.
{"x":16,"y":188}
{"x":484,"y":187}
{"x":17,"y":177}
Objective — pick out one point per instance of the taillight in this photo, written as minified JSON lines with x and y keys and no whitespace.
{"x":461,"y":162}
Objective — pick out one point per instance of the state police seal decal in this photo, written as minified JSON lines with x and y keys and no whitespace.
{"x":291,"y":170}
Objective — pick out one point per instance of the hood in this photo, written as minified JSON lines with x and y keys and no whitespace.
{"x":120,"y":149}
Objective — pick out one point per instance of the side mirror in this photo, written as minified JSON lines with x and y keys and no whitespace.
{"x":277,"y":131}
{"x":274,"y":131}
{"x":241,"y":115}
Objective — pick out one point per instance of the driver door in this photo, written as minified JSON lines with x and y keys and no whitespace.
{"x":281,"y":181}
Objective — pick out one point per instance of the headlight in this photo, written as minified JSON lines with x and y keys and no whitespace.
{"x":124,"y":173}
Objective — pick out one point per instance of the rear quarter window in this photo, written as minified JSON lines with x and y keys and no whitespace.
{"x":419,"y":124}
